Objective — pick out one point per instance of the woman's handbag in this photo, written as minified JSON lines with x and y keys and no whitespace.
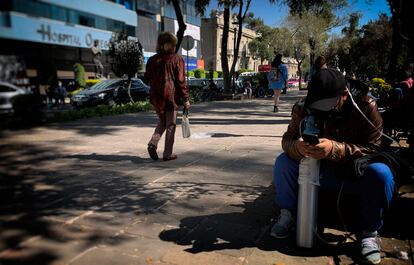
{"x":185,"y":124}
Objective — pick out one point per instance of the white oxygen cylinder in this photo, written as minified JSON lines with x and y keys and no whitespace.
{"x":307,"y":202}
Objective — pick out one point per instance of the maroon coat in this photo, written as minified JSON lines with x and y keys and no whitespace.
{"x":166,"y":76}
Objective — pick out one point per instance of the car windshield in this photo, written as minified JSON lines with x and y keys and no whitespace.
{"x":105,"y":84}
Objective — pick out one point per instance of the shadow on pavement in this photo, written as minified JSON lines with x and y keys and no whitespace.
{"x":251,"y":227}
{"x":39,"y":194}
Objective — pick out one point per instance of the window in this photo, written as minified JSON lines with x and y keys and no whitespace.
{"x":169,"y":11}
{"x":152,"y":6}
{"x":113,"y":25}
{"x":128,"y":4}
{"x":5,"y":20}
{"x":130,"y":30}
{"x":58,"y":13}
{"x":33,"y":8}
{"x":86,"y":21}
{"x":192,"y":16}
{"x":39,"y":9}
{"x":4,"y":89}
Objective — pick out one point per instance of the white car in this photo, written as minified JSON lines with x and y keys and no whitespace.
{"x":7,"y":92}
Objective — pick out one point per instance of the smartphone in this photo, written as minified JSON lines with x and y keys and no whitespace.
{"x":311,"y":139}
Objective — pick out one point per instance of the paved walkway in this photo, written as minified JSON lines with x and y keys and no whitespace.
{"x":86,"y":192}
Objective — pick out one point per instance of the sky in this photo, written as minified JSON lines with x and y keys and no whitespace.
{"x":274,"y":14}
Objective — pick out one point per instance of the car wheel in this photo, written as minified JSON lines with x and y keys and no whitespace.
{"x":111,"y":102}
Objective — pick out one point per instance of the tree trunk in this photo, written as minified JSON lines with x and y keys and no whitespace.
{"x":300,"y":73}
{"x":237,"y":43}
{"x":181,"y":24}
{"x":312,"y":44}
{"x":224,"y":40}
{"x":229,"y":73}
{"x":396,"y":46}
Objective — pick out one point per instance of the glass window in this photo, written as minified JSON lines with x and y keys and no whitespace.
{"x":32,"y":8}
{"x":86,"y":20}
{"x":73,"y":17}
{"x":58,"y":13}
{"x":192,"y":16}
{"x":5,"y":20}
{"x":169,"y":11}
{"x":130,"y":30}
{"x":100,"y":23}
{"x":113,"y":25}
{"x":152,"y":6}
{"x":4,"y":89}
{"x":39,"y":9}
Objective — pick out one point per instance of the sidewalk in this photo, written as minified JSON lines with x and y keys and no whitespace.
{"x":86,"y":192}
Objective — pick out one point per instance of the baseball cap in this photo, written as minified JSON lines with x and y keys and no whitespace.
{"x":324,"y":90}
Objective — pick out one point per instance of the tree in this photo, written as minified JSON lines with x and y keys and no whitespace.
{"x":402,"y":33}
{"x":311,"y":30}
{"x":126,"y":57}
{"x":321,"y":7}
{"x":373,"y":49}
{"x":344,"y":46}
{"x":270,"y":41}
{"x":299,"y":52}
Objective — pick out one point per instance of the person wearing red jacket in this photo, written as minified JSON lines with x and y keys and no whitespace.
{"x":165,"y":72}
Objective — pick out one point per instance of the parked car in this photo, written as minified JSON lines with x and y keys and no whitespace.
{"x":197,"y":82}
{"x":89,"y":83}
{"x":7,"y":92}
{"x":111,"y":92}
{"x":293,"y":82}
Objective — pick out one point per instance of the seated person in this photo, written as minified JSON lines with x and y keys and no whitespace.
{"x":345,"y":135}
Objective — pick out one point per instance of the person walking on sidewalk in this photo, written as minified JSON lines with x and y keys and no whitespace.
{"x":278,"y":76}
{"x":166,"y":75}
{"x":345,"y":135}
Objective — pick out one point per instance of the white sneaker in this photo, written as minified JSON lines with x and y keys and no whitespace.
{"x":284,"y":225}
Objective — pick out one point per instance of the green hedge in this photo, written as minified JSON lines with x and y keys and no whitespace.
{"x":199,"y":73}
{"x":215,"y":74}
{"x":100,"y":111}
{"x":190,"y":73}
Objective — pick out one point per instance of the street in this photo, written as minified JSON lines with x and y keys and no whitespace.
{"x":86,"y":192}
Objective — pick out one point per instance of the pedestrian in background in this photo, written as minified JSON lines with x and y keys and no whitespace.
{"x":60,"y":93}
{"x":248,"y":89}
{"x":165,"y":72}
{"x":278,"y":76}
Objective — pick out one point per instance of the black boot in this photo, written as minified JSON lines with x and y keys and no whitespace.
{"x":275,"y":109}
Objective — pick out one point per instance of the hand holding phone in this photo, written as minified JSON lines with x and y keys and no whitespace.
{"x":312,"y":139}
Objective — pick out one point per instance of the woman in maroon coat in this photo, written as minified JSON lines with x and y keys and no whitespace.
{"x":166,"y":76}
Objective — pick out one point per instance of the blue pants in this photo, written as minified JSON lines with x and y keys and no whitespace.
{"x":375,"y":188}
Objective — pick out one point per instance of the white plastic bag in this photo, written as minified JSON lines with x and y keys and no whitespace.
{"x":185,"y":124}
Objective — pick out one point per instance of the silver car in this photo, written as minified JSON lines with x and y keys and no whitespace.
{"x":7,"y":92}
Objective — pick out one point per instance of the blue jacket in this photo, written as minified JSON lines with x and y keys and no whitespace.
{"x":278,"y":77}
